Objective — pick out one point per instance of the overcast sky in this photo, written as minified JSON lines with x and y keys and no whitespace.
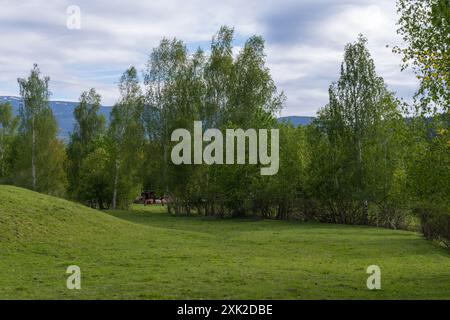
{"x":304,"y":41}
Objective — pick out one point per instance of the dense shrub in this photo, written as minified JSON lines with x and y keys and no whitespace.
{"x":435,"y":222}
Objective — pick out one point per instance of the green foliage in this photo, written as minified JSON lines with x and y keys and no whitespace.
{"x":94,"y":186}
{"x":425,"y":27}
{"x":429,"y":165}
{"x":356,"y":145}
{"x":39,"y":156}
{"x":223,"y":92}
{"x":435,"y":222}
{"x":89,"y":129}
{"x":287,"y":189}
{"x":125,"y":140}
{"x":360,"y":162}
{"x":8,"y":128}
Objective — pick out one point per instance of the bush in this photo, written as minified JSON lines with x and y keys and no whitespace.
{"x":435,"y":222}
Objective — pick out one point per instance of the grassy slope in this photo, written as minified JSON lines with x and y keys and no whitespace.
{"x":145,"y":253}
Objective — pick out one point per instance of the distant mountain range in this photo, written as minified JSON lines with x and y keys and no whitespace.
{"x":63,"y":111}
{"x":297,"y":120}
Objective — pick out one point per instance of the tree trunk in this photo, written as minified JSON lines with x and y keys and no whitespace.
{"x":116,"y":178}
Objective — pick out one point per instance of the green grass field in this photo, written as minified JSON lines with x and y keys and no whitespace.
{"x":147,"y":254}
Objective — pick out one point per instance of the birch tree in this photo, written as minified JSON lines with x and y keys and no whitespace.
{"x":35,"y":95}
{"x":359,"y":107}
{"x":41,"y":156}
{"x":425,"y":28}
{"x":126,"y":136}
{"x":164,"y":64}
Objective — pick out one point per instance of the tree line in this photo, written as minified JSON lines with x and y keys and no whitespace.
{"x":368,"y":158}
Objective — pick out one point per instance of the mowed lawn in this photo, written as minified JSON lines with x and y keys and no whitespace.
{"x":145,"y":253}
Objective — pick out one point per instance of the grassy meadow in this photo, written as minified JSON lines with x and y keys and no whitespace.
{"x":144,"y":253}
